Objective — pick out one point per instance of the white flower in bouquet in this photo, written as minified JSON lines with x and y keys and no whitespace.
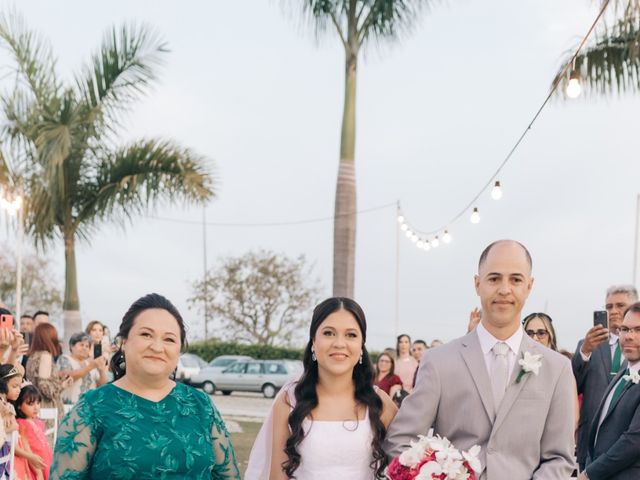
{"x":471,"y":456}
{"x":414,"y":454}
{"x":428,"y":470}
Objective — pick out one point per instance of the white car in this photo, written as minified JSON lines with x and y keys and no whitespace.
{"x":189,"y":365}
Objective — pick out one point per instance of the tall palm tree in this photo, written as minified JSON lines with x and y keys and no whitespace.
{"x":357,"y":23}
{"x":61,"y":148}
{"x":611,"y":62}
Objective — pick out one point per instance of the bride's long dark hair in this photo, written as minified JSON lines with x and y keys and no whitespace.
{"x":307,"y":397}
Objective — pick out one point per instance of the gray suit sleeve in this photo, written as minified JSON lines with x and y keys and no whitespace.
{"x":557,"y":442}
{"x":622,"y":454}
{"x":579,"y":367}
{"x":418,"y":411}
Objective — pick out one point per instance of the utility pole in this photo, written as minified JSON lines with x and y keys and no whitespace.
{"x":204,"y":265}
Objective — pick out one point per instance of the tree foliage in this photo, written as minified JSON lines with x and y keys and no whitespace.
{"x":40,"y":286}
{"x":260,"y":297}
{"x":610,"y":63}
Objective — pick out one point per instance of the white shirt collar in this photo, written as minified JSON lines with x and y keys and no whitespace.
{"x":635,"y":368}
{"x":613,"y":338}
{"x":487,"y":341}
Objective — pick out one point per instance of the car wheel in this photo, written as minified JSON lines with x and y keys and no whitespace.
{"x":268,"y":390}
{"x":209,"y":387}
{"x":226,"y":392}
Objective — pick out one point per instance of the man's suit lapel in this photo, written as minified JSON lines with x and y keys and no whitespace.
{"x":605,"y":356}
{"x":595,"y":422}
{"x":474,"y":358}
{"x":514,"y":389}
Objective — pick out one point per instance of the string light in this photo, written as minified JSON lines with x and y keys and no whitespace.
{"x":404,"y":227}
{"x":496,"y":192}
{"x":475,"y":216}
{"x":573,"y":87}
{"x":446,"y":238}
{"x":400,"y":219}
{"x":435,"y":243}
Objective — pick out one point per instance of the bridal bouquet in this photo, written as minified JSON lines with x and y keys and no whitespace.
{"x":435,"y":458}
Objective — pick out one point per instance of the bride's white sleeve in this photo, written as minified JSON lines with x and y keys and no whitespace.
{"x":259,"y":465}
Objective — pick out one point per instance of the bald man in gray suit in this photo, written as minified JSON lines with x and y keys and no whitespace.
{"x":473,"y":390}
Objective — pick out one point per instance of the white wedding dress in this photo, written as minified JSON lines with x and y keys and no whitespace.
{"x":330,"y":450}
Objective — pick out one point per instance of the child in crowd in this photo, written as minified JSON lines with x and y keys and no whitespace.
{"x":32,"y":434}
{"x":10,"y":381}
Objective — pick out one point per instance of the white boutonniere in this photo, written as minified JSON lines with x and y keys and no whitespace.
{"x":529,"y":363}
{"x":633,"y":376}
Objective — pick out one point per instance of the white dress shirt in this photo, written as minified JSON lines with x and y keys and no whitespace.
{"x":487,"y":341}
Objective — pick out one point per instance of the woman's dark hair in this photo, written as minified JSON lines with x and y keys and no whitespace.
{"x":7,"y":372}
{"x":307,"y":397}
{"x":400,"y":337}
{"x":392,"y":371}
{"x":29,"y":395}
{"x":152,"y":300}
{"x":45,"y":338}
{"x":548,"y":323}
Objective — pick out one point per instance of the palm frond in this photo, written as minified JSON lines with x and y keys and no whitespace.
{"x":611,"y":65}
{"x":130,"y":180}
{"x":121,"y":71}
{"x":35,"y":63}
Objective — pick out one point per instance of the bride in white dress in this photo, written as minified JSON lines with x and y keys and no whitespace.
{"x":331,"y":423}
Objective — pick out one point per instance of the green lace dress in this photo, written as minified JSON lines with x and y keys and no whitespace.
{"x":114,"y":434}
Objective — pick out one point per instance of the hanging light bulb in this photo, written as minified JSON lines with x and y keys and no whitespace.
{"x":496,"y":192}
{"x":573,"y":87}
{"x":408,"y":233}
{"x":414,"y":238}
{"x":404,"y":227}
{"x":420,"y":243}
{"x":400,"y":219}
{"x":427,"y":246}
{"x":446,"y":238}
{"x":435,"y":243}
{"x":475,"y":216}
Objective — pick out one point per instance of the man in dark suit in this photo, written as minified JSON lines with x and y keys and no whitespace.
{"x":597,"y":360}
{"x":614,"y":437}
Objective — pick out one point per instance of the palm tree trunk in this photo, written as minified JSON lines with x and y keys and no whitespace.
{"x":344,"y":226}
{"x":71,"y":305}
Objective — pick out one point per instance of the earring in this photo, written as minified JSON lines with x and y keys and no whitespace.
{"x":122,"y":364}
{"x":360,"y":361}
{"x":313,"y":353}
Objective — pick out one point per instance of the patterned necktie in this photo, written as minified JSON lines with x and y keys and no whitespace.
{"x":618,"y":391}
{"x":499,"y":372}
{"x":616,"y":361}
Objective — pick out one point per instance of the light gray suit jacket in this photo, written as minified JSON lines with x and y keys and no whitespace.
{"x":531,"y":435}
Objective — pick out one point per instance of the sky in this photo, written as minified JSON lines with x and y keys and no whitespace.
{"x":249,"y":85}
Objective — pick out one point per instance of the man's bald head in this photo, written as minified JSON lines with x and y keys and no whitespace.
{"x":485,"y":252}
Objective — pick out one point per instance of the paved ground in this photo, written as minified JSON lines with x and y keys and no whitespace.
{"x":243,"y":406}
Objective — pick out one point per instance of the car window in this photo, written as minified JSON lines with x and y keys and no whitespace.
{"x":254,"y":368}
{"x":237,"y":367}
{"x":275,"y":368}
{"x":222,"y":362}
{"x":189,"y":361}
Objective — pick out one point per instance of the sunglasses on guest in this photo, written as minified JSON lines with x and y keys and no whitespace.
{"x":537,"y":333}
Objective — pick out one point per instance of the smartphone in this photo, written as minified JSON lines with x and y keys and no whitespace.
{"x":6,"y":321}
{"x":600,"y":318}
{"x":97,"y":350}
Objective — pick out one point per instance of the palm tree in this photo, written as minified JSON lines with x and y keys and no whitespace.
{"x":357,"y":22}
{"x":61,"y":148}
{"x":611,"y":62}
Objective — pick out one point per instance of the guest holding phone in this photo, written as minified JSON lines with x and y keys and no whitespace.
{"x":99,"y":342}
{"x":87,"y":373}
{"x":42,"y":369}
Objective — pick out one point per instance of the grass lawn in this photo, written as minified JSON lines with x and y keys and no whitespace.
{"x":242,"y":443}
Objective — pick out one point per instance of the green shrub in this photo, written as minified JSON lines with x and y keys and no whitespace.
{"x":211,"y":349}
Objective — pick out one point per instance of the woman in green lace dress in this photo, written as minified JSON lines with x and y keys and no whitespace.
{"x":144,"y":425}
